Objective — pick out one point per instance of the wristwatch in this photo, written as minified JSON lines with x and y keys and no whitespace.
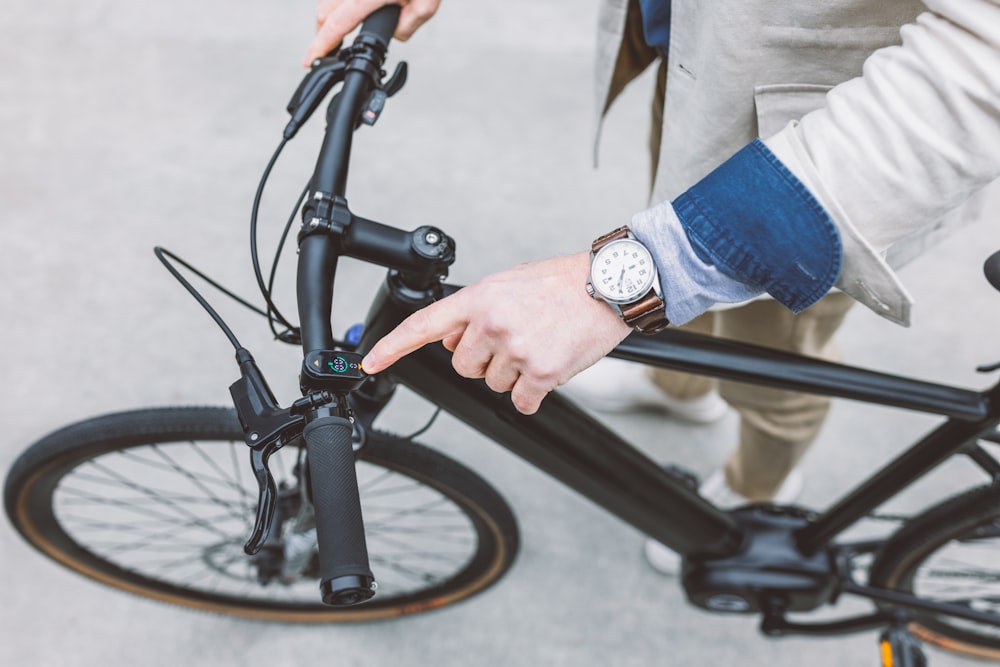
{"x":623,"y":274}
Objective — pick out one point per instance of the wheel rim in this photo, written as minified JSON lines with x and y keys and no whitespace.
{"x":177,"y":514}
{"x":963,"y":571}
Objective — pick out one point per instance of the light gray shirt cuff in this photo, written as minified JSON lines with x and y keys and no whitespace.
{"x":690,"y":285}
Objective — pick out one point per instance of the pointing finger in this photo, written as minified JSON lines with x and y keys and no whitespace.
{"x":435,"y":322}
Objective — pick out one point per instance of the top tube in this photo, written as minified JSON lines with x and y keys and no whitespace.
{"x":730,"y":360}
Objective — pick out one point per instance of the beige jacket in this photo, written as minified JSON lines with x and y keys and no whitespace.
{"x":888,"y":111}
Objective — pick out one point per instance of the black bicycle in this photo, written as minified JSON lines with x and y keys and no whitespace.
{"x":160,"y":502}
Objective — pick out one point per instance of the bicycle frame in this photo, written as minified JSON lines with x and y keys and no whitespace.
{"x":580,"y":452}
{"x":571,"y":446}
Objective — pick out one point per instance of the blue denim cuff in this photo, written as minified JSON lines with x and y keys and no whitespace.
{"x":690,"y":286}
{"x":755,"y":221}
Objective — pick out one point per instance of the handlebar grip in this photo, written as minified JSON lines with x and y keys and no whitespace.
{"x":345,"y":575}
{"x":381,"y":23}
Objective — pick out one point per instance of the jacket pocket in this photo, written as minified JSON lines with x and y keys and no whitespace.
{"x":777,"y":104}
{"x":799,"y":64}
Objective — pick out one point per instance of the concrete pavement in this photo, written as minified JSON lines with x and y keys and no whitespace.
{"x":126,"y":124}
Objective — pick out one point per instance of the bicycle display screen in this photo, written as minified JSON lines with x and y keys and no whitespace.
{"x":334,"y":364}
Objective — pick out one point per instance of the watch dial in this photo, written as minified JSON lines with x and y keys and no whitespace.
{"x":622,"y":271}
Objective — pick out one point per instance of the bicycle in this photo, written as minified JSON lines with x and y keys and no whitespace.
{"x":58,"y":497}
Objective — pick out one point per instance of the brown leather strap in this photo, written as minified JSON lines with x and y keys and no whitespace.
{"x":646,"y":316}
{"x":600,"y":242}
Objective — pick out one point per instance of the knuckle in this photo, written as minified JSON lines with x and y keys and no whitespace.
{"x":496,"y":329}
{"x":541,"y":371}
{"x":465,"y":367}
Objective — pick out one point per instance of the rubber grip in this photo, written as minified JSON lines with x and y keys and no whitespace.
{"x":381,"y":23}
{"x":345,"y":574}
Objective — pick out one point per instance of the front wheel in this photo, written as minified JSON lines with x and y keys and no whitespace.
{"x":159,"y":502}
{"x":950,"y":553}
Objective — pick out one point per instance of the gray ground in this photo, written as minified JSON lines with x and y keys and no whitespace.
{"x":129,"y":124}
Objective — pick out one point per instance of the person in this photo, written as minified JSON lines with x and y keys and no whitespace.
{"x":797,"y":148}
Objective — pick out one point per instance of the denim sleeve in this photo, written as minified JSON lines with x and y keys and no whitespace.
{"x":750,"y":227}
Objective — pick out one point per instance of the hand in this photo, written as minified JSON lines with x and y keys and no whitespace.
{"x":526,"y":330}
{"x":336,"y":18}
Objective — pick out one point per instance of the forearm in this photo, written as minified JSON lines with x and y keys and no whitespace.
{"x":748,"y":227}
{"x":890,"y":153}
{"x":916,"y":134}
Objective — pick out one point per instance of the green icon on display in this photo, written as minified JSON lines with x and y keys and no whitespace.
{"x":338,"y":365}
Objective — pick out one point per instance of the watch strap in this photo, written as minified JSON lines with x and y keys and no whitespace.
{"x":615,"y":235}
{"x":648,"y":315}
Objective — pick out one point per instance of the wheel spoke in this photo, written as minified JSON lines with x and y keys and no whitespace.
{"x":122,"y":499}
{"x":141,"y":507}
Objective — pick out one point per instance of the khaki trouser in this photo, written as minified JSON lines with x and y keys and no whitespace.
{"x":776,"y":426}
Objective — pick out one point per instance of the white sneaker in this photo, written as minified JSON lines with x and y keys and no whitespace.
{"x":668,"y":562}
{"x":615,"y":385}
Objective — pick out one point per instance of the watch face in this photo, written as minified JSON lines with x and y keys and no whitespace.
{"x":622,"y":271}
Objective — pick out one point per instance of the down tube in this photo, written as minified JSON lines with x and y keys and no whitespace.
{"x":572,"y":447}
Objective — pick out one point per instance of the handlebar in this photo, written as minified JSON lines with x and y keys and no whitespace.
{"x":363,"y":72}
{"x":345,"y":574}
{"x":317,"y":253}
{"x":418,"y":263}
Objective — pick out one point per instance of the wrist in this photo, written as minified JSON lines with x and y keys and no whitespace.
{"x":595,"y":312}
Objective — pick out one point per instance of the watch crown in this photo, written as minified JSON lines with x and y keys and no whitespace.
{"x":590,"y":290}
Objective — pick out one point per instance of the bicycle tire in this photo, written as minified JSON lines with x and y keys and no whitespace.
{"x":951,"y":552}
{"x":109,"y":496}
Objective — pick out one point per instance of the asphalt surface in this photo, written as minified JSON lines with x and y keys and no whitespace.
{"x":129,"y":124}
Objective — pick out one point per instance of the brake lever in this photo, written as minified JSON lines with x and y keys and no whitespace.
{"x":267,"y":499}
{"x":266,"y":427}
{"x":324,"y":74}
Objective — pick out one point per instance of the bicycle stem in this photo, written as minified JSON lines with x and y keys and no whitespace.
{"x":420,"y":258}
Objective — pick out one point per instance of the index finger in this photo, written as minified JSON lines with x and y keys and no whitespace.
{"x":430,"y":324}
